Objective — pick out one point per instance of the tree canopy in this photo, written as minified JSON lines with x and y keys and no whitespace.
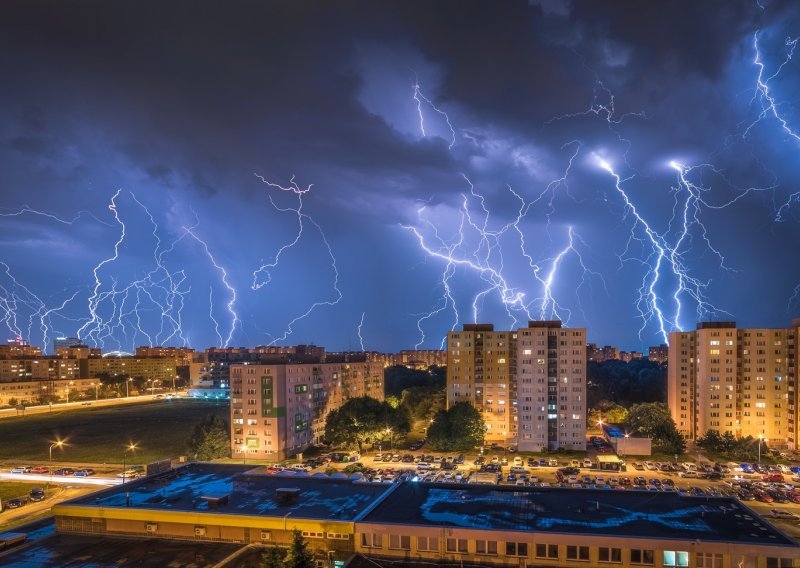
{"x":460,"y":428}
{"x":728,"y":446}
{"x":299,"y":554}
{"x":640,"y":380}
{"x":365,"y":420}
{"x":210,"y":439}
{"x":654,"y":420}
{"x":398,"y":378}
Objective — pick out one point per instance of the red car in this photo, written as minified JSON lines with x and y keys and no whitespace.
{"x":774,"y":478}
{"x":39,"y":469}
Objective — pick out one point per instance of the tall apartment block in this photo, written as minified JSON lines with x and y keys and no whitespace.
{"x":481,"y":370}
{"x":279,"y":410}
{"x":735,"y":380}
{"x":551,"y":387}
{"x":529,"y":384}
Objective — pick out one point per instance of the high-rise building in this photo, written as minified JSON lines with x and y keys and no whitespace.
{"x":279,"y":410}
{"x":529,"y":384}
{"x":628,"y":356}
{"x":735,"y":380}
{"x":551,"y":387}
{"x":481,"y":370}
{"x":658,"y":353}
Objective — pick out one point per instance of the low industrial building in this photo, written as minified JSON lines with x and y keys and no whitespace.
{"x":409,"y":523}
{"x":626,"y":443}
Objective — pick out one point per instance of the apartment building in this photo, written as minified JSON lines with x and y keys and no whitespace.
{"x":658,"y":353}
{"x":529,"y":384}
{"x":735,"y":380}
{"x":601,"y":354}
{"x":551,"y":387}
{"x":279,"y":410}
{"x":481,"y":370}
{"x":26,"y":393}
{"x":42,"y":368}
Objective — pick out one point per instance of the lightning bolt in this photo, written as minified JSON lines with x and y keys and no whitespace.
{"x":360,"y":327}
{"x":264,"y":271}
{"x":478,"y":248}
{"x":231,"y":304}
{"x":422,"y":100}
{"x":665,"y":257}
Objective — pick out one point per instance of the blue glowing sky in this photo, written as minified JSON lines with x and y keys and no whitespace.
{"x":630,"y":167}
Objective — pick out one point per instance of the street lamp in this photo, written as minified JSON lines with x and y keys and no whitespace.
{"x":96,"y":387}
{"x":127,"y":388}
{"x":626,"y":442}
{"x":284,"y":520}
{"x":56,"y":444}
{"x":760,"y":438}
{"x":130,"y":447}
{"x":391,"y":446}
{"x":243,"y":449}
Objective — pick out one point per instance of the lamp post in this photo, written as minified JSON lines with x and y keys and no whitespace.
{"x":391,"y":445}
{"x":243,"y":449}
{"x":127,"y":388}
{"x":130,"y":447}
{"x":286,"y":516}
{"x":626,"y":442}
{"x":96,"y":387}
{"x":760,"y":438}
{"x":56,"y":444}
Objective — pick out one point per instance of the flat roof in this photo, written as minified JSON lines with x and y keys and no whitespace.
{"x":578,"y":511}
{"x":98,"y":551}
{"x":249,"y":492}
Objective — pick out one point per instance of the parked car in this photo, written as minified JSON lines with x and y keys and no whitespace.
{"x":21,"y":469}
{"x":782,"y":514}
{"x":15,"y":503}
{"x":39,"y":469}
{"x":64,"y":471}
{"x":84,"y":472}
{"x":36,"y":494}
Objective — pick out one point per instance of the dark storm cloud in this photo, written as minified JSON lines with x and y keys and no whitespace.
{"x":183,"y":101}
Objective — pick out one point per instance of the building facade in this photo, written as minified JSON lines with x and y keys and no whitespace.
{"x":735,"y":380}
{"x":279,"y":410}
{"x":658,"y":353}
{"x":529,"y":384}
{"x":482,"y":370}
{"x":551,"y":387}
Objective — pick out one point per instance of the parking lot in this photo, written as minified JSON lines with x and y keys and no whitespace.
{"x":771,"y":490}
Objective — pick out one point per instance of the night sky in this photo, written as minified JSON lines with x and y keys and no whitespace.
{"x":444,"y":155}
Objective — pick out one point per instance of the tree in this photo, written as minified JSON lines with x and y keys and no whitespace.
{"x":654,"y":420}
{"x":398,"y":378}
{"x":299,"y":554}
{"x":460,"y":428}
{"x":273,"y":557}
{"x":13,"y":401}
{"x":210,"y":439}
{"x":609,"y":412}
{"x":626,"y":384}
{"x":423,"y":402}
{"x":363,"y":420}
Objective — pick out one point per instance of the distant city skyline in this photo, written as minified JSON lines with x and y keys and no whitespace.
{"x":362,"y":177}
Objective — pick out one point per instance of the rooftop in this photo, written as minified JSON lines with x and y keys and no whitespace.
{"x":201,"y":487}
{"x":584,"y":511}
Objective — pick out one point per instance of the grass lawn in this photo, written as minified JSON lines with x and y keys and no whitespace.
{"x":98,"y":435}
{"x":11,"y":489}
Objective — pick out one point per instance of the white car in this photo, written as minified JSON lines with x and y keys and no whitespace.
{"x":129,"y":474}
{"x":650,"y":466}
{"x":782,"y":514}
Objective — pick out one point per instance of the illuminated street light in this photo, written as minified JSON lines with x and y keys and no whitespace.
{"x":129,"y":448}
{"x":56,"y":444}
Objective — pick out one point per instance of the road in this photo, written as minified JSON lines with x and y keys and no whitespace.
{"x":61,"y":479}
{"x":35,"y":509}
{"x":103,"y":402}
